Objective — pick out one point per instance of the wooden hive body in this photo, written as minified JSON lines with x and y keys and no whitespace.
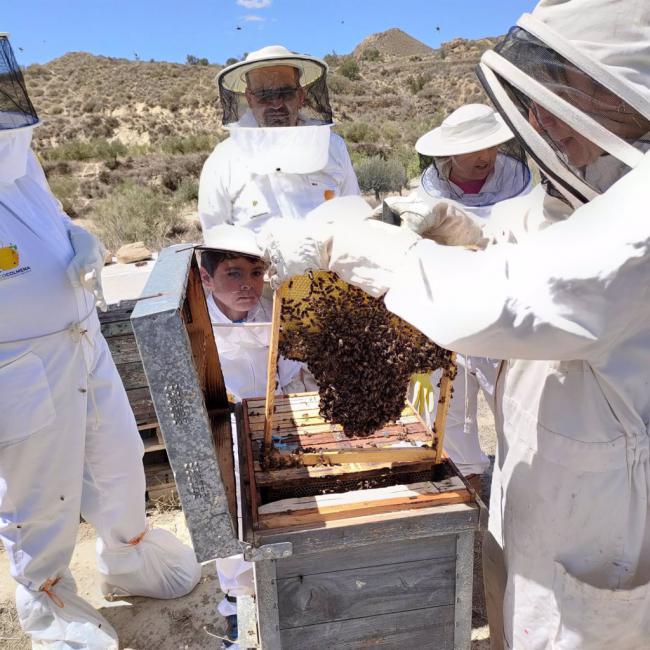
{"x":382,"y":566}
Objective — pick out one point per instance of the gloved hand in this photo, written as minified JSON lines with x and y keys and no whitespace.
{"x":291,"y":247}
{"x":423,"y":395}
{"x":85,"y":268}
{"x":445,"y":221}
{"x":363,"y":253}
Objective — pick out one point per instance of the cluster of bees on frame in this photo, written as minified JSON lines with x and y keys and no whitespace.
{"x":361,"y":355}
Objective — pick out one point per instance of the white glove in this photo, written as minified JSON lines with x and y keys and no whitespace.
{"x":445,"y":222}
{"x":293,"y":247}
{"x":363,"y":253}
{"x":85,"y":268}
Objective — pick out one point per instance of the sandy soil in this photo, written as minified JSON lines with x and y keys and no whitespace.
{"x":142,"y":623}
{"x":187,"y":623}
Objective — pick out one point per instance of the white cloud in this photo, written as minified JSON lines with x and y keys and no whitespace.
{"x":252,"y":18}
{"x":254,"y":4}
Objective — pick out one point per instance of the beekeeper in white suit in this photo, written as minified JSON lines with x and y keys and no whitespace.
{"x":471,"y":158}
{"x":68,"y":440}
{"x":281,"y":158}
{"x":567,"y":558}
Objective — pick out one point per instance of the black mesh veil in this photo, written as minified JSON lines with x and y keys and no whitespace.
{"x":315,"y":107}
{"x":16,"y":109}
{"x":509,"y":178}
{"x":565,"y":153}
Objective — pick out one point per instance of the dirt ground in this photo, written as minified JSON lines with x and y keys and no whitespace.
{"x":189,"y":623}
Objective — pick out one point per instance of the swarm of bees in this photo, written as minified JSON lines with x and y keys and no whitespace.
{"x":361,"y":355}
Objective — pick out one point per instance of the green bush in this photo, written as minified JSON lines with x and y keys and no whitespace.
{"x":332,"y":59}
{"x":371,"y":54}
{"x":65,"y":189}
{"x":358,"y":132}
{"x":416,"y":84}
{"x":339,"y":85}
{"x":133,"y":213}
{"x":408,"y":156}
{"x":190,"y":144}
{"x":187,"y":190}
{"x":391,"y":132}
{"x":350,"y":69}
{"x":378,"y":175}
{"x":190,"y":59}
{"x":97,"y":149}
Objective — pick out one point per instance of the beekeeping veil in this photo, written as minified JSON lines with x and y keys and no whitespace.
{"x":572,"y":80}
{"x":469,"y":129}
{"x":17,"y":116}
{"x":300,"y":149}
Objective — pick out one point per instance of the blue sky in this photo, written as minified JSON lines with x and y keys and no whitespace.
{"x":168,"y":30}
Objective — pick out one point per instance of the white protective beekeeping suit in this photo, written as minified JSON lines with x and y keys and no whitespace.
{"x":567,"y":561}
{"x":244,"y":352}
{"x":69,"y":444}
{"x":468,"y":129}
{"x":263,"y":172}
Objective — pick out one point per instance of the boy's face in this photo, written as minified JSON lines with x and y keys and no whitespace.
{"x":236,"y":285}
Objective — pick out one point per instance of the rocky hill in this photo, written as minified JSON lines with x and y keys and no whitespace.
{"x":113,"y":124}
{"x":393,"y":43}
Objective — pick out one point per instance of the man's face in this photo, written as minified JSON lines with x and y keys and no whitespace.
{"x":474,"y":166}
{"x":274,"y":95}
{"x":236,"y":285}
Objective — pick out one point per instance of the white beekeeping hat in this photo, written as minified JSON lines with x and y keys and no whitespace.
{"x":470,"y":128}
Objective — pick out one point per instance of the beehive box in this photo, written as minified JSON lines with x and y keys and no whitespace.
{"x":354,"y":555}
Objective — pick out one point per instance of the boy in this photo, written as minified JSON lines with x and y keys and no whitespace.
{"x":233,"y":276}
{"x":232,"y":272}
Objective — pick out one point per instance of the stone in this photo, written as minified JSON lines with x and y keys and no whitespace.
{"x":135,"y":252}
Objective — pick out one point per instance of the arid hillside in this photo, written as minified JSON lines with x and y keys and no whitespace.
{"x":122,"y":138}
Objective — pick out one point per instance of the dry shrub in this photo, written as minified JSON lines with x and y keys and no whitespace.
{"x":65,"y":188}
{"x":134,"y":213}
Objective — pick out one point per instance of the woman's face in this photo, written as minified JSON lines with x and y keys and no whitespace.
{"x":597,"y":102}
{"x":579,"y":151}
{"x":236,"y":285}
{"x":474,"y":166}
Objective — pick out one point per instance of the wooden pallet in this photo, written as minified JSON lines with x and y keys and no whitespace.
{"x":118,"y":332}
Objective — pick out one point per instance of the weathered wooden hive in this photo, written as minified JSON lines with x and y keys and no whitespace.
{"x":359,"y":544}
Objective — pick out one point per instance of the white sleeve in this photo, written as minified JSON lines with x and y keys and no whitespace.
{"x":215,"y":203}
{"x":350,"y":184}
{"x":36,"y":174}
{"x":567,"y":292}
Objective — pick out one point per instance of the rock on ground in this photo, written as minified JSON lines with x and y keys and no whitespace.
{"x":135,"y":252}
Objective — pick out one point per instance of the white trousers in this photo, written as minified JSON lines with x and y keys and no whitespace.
{"x":84,"y":455}
{"x":461,"y":432}
{"x":461,"y":440}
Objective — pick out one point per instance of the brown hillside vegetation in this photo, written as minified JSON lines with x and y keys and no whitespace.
{"x":110,"y":125}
